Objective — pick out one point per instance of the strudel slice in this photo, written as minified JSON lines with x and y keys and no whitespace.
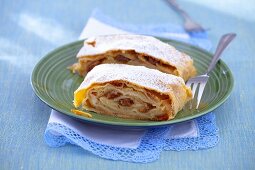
{"x":133,"y":50}
{"x":132,"y":92}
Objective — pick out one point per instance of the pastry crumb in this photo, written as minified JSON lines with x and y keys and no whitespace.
{"x":81,"y":113}
{"x":92,"y":43}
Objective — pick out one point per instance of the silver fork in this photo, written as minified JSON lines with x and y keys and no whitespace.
{"x":189,"y":24}
{"x":200,"y":81}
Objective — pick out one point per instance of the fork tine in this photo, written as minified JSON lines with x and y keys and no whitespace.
{"x":194,"y":89}
{"x":200,"y":93}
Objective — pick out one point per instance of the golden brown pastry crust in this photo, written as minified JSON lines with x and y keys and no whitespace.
{"x":133,"y":50}
{"x":133,"y":92}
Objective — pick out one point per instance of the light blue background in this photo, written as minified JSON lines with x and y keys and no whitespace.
{"x":23,"y":117}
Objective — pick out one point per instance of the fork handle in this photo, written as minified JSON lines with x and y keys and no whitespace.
{"x":178,"y":9}
{"x":223,"y":43}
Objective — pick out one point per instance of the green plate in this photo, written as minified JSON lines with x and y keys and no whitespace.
{"x":54,"y":85}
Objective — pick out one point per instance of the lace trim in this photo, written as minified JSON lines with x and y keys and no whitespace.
{"x":152,"y":143}
{"x":208,"y":136}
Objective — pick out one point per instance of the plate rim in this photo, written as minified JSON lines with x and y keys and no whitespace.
{"x":130,"y":124}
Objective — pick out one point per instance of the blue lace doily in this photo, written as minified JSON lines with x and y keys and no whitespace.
{"x":208,"y":136}
{"x":152,"y":143}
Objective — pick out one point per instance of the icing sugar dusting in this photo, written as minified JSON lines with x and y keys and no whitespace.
{"x":139,"y":43}
{"x":140,"y":75}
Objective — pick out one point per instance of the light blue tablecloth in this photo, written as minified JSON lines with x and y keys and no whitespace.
{"x":23,"y":117}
